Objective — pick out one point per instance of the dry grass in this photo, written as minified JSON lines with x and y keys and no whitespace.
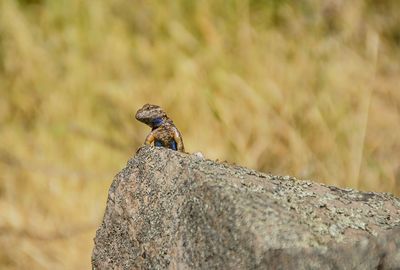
{"x":308,"y":89}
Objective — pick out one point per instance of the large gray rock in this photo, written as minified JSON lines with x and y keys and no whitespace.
{"x":169,"y":210}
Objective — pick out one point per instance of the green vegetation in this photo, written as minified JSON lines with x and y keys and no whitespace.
{"x":307,"y":88}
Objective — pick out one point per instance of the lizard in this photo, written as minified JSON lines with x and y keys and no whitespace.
{"x":163,"y":130}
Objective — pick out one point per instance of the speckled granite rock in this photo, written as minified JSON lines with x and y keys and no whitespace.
{"x":169,"y":210}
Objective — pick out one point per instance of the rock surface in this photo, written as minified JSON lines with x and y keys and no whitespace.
{"x":170,"y":210}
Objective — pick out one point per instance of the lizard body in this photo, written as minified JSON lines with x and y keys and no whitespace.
{"x":163,"y":131}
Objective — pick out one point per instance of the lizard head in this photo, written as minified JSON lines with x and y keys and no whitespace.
{"x":151,"y":115}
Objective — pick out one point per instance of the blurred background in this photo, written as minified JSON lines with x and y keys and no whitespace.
{"x":308,"y":88}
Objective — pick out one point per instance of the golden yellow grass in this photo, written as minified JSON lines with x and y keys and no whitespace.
{"x":308,"y":89}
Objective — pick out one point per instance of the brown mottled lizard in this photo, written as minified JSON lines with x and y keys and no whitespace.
{"x":163,"y":131}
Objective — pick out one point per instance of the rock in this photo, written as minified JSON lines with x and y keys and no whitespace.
{"x":171,"y":210}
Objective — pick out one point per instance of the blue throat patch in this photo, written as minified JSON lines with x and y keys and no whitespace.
{"x":157,"y":122}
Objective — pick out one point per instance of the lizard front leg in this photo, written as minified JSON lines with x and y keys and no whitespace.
{"x":149,"y":139}
{"x":178,"y":140}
